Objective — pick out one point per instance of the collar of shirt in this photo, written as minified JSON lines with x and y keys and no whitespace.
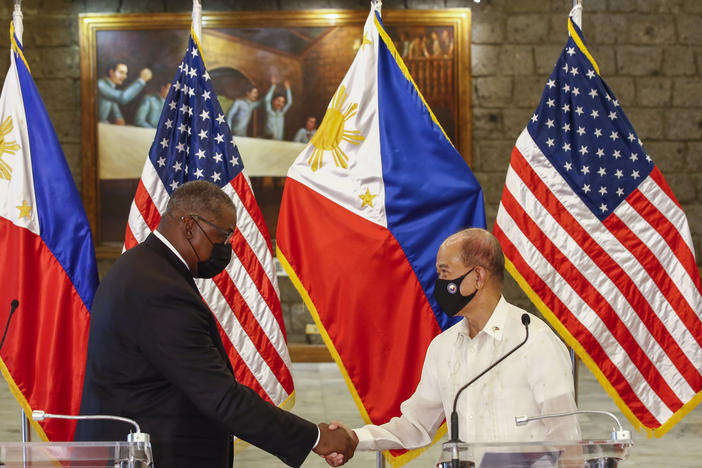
{"x":163,"y":239}
{"x":495,"y":325}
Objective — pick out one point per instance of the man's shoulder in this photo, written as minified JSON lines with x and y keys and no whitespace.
{"x":449,"y":335}
{"x":141,"y":260}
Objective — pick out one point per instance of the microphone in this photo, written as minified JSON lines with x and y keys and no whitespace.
{"x":13,"y":306}
{"x":454,"y":415}
{"x":138,"y":436}
{"x":617,"y":435}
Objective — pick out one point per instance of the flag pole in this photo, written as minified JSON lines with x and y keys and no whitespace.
{"x":197,"y":18}
{"x":17,"y":19}
{"x":19,"y":30}
{"x":380,"y":460}
{"x":577,"y":13}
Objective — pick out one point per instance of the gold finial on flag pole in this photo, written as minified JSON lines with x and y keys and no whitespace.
{"x":17,"y":20}
{"x":197,"y":18}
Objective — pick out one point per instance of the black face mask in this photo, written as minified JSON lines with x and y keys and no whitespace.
{"x":219,"y":258}
{"x":448,"y":294}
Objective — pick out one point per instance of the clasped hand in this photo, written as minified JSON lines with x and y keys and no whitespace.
{"x":336,"y":446}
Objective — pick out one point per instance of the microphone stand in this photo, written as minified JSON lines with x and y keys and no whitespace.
{"x":24,"y":422}
{"x":13,"y":306}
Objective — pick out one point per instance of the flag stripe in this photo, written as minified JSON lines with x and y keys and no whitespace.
{"x":262,"y":300}
{"x":622,"y":290}
{"x":243,"y":374}
{"x":254,"y":317}
{"x":241,"y":341}
{"x":617,"y":334}
{"x":626,"y":234}
{"x":244,"y":192}
{"x":671,"y":245}
{"x":600,"y":336}
{"x":567,"y":318}
{"x":649,"y":303}
{"x":255,"y":239}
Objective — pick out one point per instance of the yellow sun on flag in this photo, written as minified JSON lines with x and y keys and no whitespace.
{"x":6,"y":147}
{"x":333,"y":131}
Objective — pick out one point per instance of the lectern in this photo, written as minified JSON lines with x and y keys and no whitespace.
{"x":566,"y":454}
{"x":75,"y":454}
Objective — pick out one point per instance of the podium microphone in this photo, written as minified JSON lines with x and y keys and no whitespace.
{"x":138,"y":436}
{"x":617,"y":435}
{"x":453,"y":446}
{"x":13,"y":306}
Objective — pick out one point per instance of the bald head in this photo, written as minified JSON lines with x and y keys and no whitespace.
{"x":479,"y":247}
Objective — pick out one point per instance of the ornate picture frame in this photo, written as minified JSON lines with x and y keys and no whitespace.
{"x":301,"y":55}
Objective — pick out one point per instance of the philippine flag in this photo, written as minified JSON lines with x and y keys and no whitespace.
{"x":365,"y":207}
{"x":48,"y":260}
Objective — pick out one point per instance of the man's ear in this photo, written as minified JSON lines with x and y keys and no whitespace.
{"x":187,"y":222}
{"x":480,"y":277}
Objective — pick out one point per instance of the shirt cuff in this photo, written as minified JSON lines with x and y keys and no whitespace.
{"x":319,"y":435}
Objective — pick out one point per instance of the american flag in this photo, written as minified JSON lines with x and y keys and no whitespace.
{"x":595,"y":236}
{"x":193,"y":142}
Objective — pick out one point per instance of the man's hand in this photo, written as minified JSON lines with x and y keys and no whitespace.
{"x":337,"y":459}
{"x":145,"y":75}
{"x":335,"y":442}
{"x":287,"y":84}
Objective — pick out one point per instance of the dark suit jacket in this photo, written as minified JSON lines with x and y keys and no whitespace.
{"x":155,"y":355}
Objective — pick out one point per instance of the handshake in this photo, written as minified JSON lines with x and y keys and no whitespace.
{"x":337,"y":443}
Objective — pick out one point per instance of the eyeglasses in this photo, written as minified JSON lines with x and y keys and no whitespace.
{"x":227,"y":232}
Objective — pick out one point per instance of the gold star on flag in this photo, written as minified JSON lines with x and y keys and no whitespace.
{"x":367,"y":198}
{"x":25,"y":210}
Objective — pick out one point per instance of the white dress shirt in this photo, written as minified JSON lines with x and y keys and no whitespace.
{"x":536,"y":379}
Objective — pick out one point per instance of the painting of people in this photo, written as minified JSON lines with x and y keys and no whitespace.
{"x":274,"y":85}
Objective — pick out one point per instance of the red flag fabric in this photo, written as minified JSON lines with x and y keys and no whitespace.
{"x":595,"y":236}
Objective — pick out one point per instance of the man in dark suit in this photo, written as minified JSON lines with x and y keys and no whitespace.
{"x":155,"y":354}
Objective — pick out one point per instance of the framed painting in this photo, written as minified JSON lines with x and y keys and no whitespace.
{"x":293,"y":60}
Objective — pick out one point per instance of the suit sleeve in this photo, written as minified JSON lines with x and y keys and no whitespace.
{"x":174,"y":335}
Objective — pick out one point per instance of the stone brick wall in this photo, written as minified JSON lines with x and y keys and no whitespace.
{"x":649,"y":52}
